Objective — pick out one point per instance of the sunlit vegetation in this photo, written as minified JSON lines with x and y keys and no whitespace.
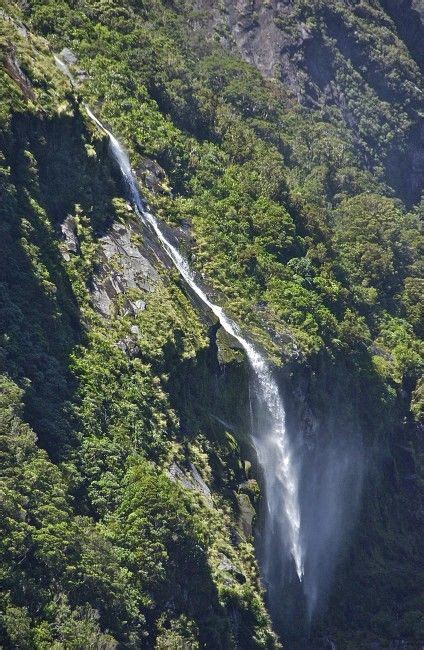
{"x":297,"y":224}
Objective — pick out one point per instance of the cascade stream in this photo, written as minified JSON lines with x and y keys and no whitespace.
{"x":281,"y":528}
{"x":270,"y":438}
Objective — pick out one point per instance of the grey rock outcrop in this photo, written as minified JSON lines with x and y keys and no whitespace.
{"x":15,"y":71}
{"x":230,"y":571}
{"x":69,"y":237}
{"x":246,"y":514}
{"x":68,"y":56}
{"x":122,"y":266}
{"x":191,"y":479}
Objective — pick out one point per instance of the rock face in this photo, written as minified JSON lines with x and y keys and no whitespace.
{"x":263,"y":34}
{"x":122,"y":266}
{"x":408,"y":17}
{"x":247,"y":514}
{"x":153,"y":176}
{"x":305,"y":47}
{"x":69,"y":236}
{"x":418,"y":5}
{"x":251,"y":25}
{"x":14,"y":70}
{"x":190,"y":479}
{"x":68,"y":56}
{"x":126,"y":266}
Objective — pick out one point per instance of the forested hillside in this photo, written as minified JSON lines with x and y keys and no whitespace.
{"x":282,"y":146}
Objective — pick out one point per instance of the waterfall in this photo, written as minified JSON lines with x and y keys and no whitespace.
{"x":270,"y":439}
{"x":269,"y":436}
{"x":311,"y":499}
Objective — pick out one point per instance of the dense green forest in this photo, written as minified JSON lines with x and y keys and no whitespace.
{"x":295,"y":192}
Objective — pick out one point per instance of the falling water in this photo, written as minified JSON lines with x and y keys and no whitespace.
{"x":272,"y":445}
{"x":270,"y":439}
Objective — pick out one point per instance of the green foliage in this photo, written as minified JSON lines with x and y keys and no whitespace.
{"x":397,"y":338}
{"x":417,"y":406}
{"x":371,"y":234}
{"x":292,"y":220}
{"x":177,"y":634}
{"x":119,"y":398}
{"x":41,"y":542}
{"x":70,"y":578}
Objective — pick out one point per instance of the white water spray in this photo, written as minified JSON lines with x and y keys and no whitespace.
{"x":270,"y":438}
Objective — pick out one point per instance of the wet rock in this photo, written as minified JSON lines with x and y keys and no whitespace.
{"x":68,"y":56}
{"x":247,"y":465}
{"x":395,"y":644}
{"x":418,"y":5}
{"x":308,"y":423}
{"x":329,"y":644}
{"x":246,"y":514}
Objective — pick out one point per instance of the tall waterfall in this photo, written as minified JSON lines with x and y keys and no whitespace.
{"x":270,"y":439}
{"x":311,"y":498}
{"x":281,"y":529}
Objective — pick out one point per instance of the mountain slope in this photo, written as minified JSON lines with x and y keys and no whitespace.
{"x":110,"y":535}
{"x":351,"y":62}
{"x":282,"y":145}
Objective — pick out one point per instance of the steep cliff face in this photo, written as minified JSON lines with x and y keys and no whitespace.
{"x":419,"y":6}
{"x":366,"y":565}
{"x":407,"y":17}
{"x":103,"y":357}
{"x":328,"y":53}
